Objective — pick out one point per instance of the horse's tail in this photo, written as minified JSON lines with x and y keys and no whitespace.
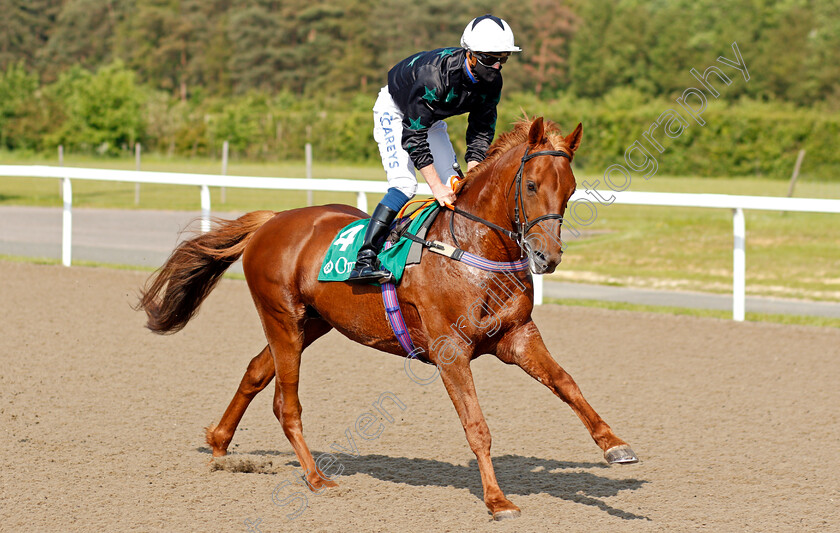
{"x":173,"y":294}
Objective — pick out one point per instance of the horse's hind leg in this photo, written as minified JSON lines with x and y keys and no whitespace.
{"x":258,"y":375}
{"x":287,"y":340}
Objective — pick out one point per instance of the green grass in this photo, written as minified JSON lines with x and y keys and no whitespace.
{"x":792,"y":255}
{"x":94,"y":264}
{"x":799,"y":320}
{"x":79,"y":263}
{"x":805,"y":187}
{"x":788,"y":255}
{"x":119,"y":195}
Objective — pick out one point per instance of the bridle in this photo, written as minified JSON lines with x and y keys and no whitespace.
{"x":523,"y":225}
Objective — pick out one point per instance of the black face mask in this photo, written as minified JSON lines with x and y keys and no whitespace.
{"x":486,"y":74}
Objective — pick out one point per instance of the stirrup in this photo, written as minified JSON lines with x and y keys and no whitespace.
{"x":370,"y":275}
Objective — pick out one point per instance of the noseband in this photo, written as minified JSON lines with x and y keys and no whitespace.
{"x":523,"y":225}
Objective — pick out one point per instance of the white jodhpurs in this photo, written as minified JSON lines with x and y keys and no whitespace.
{"x":387,"y":132}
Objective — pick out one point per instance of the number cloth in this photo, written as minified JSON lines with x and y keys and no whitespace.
{"x":341,"y":255}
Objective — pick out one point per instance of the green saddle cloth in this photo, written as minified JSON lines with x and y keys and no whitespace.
{"x":341,"y":255}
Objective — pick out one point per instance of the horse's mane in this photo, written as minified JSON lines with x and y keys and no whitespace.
{"x":519,"y":135}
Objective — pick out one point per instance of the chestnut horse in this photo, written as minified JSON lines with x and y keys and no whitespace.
{"x":527,"y":175}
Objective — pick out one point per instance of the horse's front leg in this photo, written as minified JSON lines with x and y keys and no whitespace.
{"x":458,"y":380}
{"x":523,"y":346}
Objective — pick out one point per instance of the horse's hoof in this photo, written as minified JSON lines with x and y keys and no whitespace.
{"x":620,"y":455}
{"x":217,"y":445}
{"x":320,"y":484}
{"x":506,"y":514}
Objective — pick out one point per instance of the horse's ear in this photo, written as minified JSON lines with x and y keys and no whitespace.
{"x":573,"y":139}
{"x":537,"y":133}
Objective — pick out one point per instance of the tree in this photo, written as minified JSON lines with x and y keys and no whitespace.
{"x":83,"y":34}
{"x":24,"y":27}
{"x":553,"y":24}
{"x":823,"y":42}
{"x":17,"y":90}
{"x":259,"y":37}
{"x":102,"y":110}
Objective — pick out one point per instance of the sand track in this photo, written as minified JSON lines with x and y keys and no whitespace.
{"x":736,"y":424}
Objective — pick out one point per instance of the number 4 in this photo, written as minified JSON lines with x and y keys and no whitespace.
{"x":347,"y":237}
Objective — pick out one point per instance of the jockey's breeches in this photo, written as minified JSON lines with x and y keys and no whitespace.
{"x":387,"y":131}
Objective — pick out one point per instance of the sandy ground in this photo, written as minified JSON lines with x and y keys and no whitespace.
{"x":736,"y":424}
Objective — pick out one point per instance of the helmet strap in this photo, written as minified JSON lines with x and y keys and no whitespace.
{"x":469,"y":64}
{"x":471,"y":59}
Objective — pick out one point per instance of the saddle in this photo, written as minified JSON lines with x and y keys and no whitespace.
{"x":400,"y":229}
{"x":403,"y":245}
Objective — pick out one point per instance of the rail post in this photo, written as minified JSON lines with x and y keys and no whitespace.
{"x":205,"y":208}
{"x":739,"y":265}
{"x":225,"y":149}
{"x":67,"y":222}
{"x":361,"y":201}
{"x":538,"y":289}
{"x":308,"y":150}
{"x":61,"y":164}
{"x":137,"y":150}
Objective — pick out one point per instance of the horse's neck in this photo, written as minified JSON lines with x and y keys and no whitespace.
{"x":485,"y":196}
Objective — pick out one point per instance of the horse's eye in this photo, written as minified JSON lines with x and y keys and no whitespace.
{"x":532,"y":187}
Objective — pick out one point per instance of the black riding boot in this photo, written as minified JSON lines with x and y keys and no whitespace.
{"x":367,"y":268}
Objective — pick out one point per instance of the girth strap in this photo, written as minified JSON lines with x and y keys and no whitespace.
{"x":389,"y":290}
{"x":395,"y":317}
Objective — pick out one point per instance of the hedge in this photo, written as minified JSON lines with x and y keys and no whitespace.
{"x":107,"y":112}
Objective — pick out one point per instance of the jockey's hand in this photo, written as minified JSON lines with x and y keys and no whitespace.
{"x":444,"y":195}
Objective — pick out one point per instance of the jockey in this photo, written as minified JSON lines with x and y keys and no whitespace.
{"x":422,"y":90}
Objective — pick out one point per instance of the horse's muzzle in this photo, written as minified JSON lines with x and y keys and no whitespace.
{"x":544,"y":265}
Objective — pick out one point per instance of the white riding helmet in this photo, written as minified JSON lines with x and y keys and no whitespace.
{"x":488,"y":34}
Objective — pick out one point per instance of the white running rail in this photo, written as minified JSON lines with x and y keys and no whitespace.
{"x":204,"y":181}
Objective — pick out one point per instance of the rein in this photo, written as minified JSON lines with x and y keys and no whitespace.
{"x":524,"y":225}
